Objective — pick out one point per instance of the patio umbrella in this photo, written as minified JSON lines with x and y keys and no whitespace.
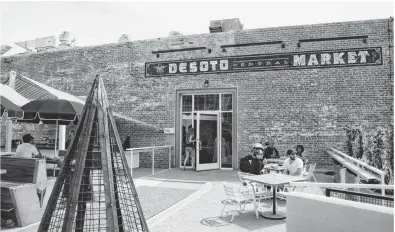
{"x":11,"y":102}
{"x":9,"y":109}
{"x":52,"y":111}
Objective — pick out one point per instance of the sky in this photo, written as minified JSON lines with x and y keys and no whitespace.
{"x":95,"y":23}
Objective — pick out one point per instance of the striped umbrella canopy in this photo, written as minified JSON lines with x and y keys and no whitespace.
{"x":9,"y":109}
{"x":10,"y":102}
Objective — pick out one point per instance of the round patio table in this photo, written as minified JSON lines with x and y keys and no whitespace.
{"x":273,"y":180}
{"x":277,"y":169}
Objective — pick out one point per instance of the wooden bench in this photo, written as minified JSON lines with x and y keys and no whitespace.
{"x":361,"y":169}
{"x":365,"y":175}
{"x":25,"y":189}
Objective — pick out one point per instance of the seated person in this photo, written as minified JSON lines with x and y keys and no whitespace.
{"x":256,"y":163}
{"x":293,"y":165}
{"x":299,"y":153}
{"x":27,"y":148}
{"x":270,"y":151}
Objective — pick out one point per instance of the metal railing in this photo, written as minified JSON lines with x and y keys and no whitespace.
{"x":360,"y":197}
{"x":343,"y":187}
{"x":153,"y":155}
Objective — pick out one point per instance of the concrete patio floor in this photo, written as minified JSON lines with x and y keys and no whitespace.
{"x":178,"y":200}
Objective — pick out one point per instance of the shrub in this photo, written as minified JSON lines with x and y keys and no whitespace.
{"x":374,"y":147}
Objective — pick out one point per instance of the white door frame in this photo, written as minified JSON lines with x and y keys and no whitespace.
{"x":178,"y":124}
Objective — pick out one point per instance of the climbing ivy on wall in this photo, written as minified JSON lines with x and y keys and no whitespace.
{"x":374,"y":147}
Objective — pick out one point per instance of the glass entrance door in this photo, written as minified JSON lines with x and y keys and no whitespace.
{"x":207,"y":149}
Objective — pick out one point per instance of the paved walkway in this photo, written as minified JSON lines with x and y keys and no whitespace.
{"x":203,"y":215}
{"x":202,"y":211}
{"x":157,"y":196}
{"x":176,"y":200}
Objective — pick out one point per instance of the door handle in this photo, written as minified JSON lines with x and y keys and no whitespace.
{"x":200,"y":145}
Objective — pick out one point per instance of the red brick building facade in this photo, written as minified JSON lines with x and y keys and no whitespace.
{"x":296,"y":85}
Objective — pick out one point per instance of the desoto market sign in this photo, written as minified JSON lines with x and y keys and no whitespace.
{"x":300,"y":60}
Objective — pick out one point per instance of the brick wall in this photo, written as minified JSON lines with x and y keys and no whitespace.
{"x":305,"y":106}
{"x":161,"y":158}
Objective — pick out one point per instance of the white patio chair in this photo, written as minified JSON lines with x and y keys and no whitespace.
{"x":260,"y":190}
{"x":310,"y":172}
{"x":305,"y":164}
{"x":235,"y":197}
{"x":246,"y":186}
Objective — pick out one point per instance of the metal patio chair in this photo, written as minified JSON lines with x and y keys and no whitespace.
{"x":310,"y":172}
{"x":235,"y":197}
{"x":259,"y":190}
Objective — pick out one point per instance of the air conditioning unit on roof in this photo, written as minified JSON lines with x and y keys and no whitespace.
{"x":225,"y":25}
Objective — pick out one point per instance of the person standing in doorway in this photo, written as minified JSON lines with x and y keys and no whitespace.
{"x":190,"y":147}
{"x":223,"y":150}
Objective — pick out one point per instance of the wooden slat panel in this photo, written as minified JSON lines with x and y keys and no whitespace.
{"x":6,"y":206}
{"x":18,"y":169}
{"x":6,"y":198}
{"x":6,"y":184}
{"x":13,"y":161}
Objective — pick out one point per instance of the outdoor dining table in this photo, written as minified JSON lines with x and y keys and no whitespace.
{"x":274,"y":180}
{"x":276,"y":168}
{"x":275,"y":160}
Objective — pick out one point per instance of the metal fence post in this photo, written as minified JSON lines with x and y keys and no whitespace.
{"x":327,"y":192}
{"x":382,"y":182}
{"x":169,"y":157}
{"x":153,"y":159}
{"x":342,"y":173}
{"x":131,"y":162}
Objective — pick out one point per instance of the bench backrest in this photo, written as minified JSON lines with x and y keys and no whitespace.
{"x":27,"y":170}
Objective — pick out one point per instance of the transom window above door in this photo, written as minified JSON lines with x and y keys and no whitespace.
{"x":207,"y":102}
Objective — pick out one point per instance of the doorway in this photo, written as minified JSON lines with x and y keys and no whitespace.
{"x":207,"y":146}
{"x":210,"y":115}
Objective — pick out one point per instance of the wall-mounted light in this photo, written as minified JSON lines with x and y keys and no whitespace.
{"x":206,"y":83}
{"x":365,"y":41}
{"x":283,"y":45}
{"x":298,"y":44}
{"x":223,"y":50}
{"x":209,"y":50}
{"x":157,"y":55}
